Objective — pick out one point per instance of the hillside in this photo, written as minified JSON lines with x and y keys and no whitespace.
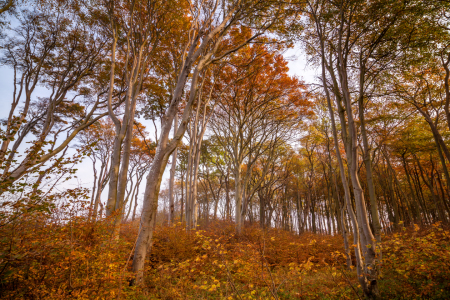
{"x":78,"y":261}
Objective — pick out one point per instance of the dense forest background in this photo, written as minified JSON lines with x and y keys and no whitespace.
{"x":275,"y":188}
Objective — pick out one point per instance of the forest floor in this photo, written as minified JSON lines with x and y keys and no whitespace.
{"x":78,"y":261}
{"x":276,"y":264}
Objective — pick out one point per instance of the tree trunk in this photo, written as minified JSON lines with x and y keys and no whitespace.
{"x":148,"y":217}
{"x":238,"y":198}
{"x":172,"y":176}
{"x":368,"y":164}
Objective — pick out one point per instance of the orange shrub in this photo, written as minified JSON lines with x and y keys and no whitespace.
{"x":45,"y":257}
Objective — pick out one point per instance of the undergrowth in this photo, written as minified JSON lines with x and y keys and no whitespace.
{"x":43,"y":257}
{"x":276,"y":264}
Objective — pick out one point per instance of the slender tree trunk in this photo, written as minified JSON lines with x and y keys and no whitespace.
{"x":444,"y":168}
{"x":172,"y":176}
{"x":430,"y":184}
{"x":368,"y":164}
{"x":443,"y":194}
{"x":124,"y":164}
{"x":195,"y":204}
{"x":133,"y":217}
{"x":238,"y":198}
{"x":262,"y":211}
{"x":413,"y":192}
{"x":227,"y":197}
{"x":299,"y":218}
{"x":182,"y":198}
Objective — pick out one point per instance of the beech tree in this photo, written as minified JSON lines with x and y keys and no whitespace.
{"x":50,"y":49}
{"x":139,"y":27}
{"x":259,"y":110}
{"x":198,"y":125}
{"x":99,"y":138}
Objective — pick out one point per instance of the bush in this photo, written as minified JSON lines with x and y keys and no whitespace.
{"x":417,"y":264}
{"x":63,"y":255}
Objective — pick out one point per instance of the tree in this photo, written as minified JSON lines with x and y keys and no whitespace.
{"x":98,"y":139}
{"x":260,"y":109}
{"x":52,"y":49}
{"x":138,"y":27}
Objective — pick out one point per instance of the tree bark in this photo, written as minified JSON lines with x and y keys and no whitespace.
{"x":172,"y":176}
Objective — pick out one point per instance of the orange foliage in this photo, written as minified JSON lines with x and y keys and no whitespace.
{"x":63,"y":256}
